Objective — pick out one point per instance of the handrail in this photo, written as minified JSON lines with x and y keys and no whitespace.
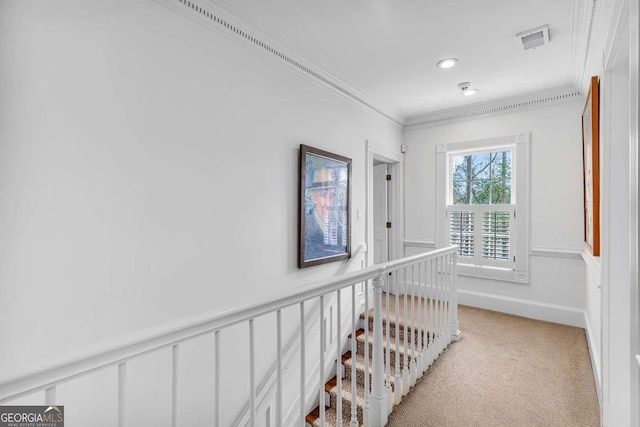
{"x":98,"y":359}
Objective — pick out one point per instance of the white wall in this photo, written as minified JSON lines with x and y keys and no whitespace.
{"x":617,"y":238}
{"x":148,"y":171}
{"x":555,"y":290}
{"x":616,"y":276}
{"x":608,"y":58}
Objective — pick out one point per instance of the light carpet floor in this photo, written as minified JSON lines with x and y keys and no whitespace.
{"x":505,"y":371}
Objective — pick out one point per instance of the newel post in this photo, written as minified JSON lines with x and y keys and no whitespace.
{"x":455,"y":331}
{"x":378,"y":414}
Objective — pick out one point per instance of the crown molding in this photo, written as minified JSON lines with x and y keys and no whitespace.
{"x":512,"y":104}
{"x":584,"y":17}
{"x":222,"y":18}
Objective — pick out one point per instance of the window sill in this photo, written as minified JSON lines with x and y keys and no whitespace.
{"x":493,"y":273}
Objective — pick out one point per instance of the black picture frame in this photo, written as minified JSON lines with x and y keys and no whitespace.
{"x":324,"y":207}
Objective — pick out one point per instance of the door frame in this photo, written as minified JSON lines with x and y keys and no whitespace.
{"x":395,"y":160}
{"x":634,"y":211}
{"x":626,"y":23}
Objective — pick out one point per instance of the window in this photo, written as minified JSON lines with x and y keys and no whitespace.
{"x":482,"y":194}
{"x":479,"y":209}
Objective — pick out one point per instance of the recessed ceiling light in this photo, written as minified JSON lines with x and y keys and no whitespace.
{"x":447,"y":63}
{"x":465,"y":88}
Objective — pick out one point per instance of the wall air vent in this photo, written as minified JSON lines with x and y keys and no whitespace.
{"x":534,"y":38}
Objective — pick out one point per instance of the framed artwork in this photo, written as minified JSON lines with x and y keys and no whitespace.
{"x":591,"y":170}
{"x":324,"y":214}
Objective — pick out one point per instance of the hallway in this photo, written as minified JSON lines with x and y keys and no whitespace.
{"x":505,"y":371}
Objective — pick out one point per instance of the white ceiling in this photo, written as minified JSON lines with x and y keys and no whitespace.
{"x":388,"y":49}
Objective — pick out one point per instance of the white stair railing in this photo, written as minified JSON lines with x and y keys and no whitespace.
{"x":429,"y":318}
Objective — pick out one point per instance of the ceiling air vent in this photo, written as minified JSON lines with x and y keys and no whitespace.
{"x":531,"y":39}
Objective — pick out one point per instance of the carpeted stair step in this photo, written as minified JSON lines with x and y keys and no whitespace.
{"x":398,"y":331}
{"x":347,"y":361}
{"x":360,"y":339}
{"x":331,"y":387}
{"x":359,"y":360}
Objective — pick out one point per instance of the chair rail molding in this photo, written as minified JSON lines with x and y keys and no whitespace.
{"x":419,"y":243}
{"x":556,"y":253}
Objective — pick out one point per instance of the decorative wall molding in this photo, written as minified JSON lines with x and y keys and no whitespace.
{"x":229,"y":22}
{"x":557,"y":253}
{"x":526,"y":308}
{"x":224,"y":18}
{"x":513,"y":104}
{"x":593,"y":266}
{"x":418,"y":243}
{"x":584,"y":16}
{"x":595,"y":356}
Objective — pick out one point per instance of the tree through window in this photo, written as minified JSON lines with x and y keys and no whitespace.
{"x":482,"y":178}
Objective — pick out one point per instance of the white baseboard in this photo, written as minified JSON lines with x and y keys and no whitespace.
{"x":594,"y":354}
{"x":526,"y":308}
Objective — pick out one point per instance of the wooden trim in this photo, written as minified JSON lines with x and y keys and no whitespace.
{"x":591,"y":113}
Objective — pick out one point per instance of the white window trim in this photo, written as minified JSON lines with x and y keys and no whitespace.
{"x":520,"y":181}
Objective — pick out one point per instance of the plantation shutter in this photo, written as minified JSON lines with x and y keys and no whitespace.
{"x":496,"y":237}
{"x":483,"y":233}
{"x":462,"y":226}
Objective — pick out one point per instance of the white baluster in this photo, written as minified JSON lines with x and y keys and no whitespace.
{"x":252,"y":375}
{"x":367,"y":388}
{"x":122,"y":394}
{"x":397,"y":388}
{"x":279,"y":368}
{"x":455,"y":331}
{"x":432,"y":314}
{"x":405,"y":359}
{"x":338,"y":358}
{"x":216,"y":385}
{"x":443,"y":282}
{"x":378,"y":410}
{"x":388,"y":348}
{"x":438,"y":311}
{"x":420,"y":329}
{"x":50,"y":396}
{"x":425,"y":317}
{"x":354,"y":410}
{"x":448,"y":298}
{"x":322,"y":350}
{"x":412,"y":370}
{"x":174,"y":385}
{"x":440,"y":306}
{"x":302,"y":367}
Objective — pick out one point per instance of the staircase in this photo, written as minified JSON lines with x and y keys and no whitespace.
{"x":377,"y":357}
{"x":416,"y":353}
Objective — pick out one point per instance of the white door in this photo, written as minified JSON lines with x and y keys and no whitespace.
{"x":380,"y":214}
